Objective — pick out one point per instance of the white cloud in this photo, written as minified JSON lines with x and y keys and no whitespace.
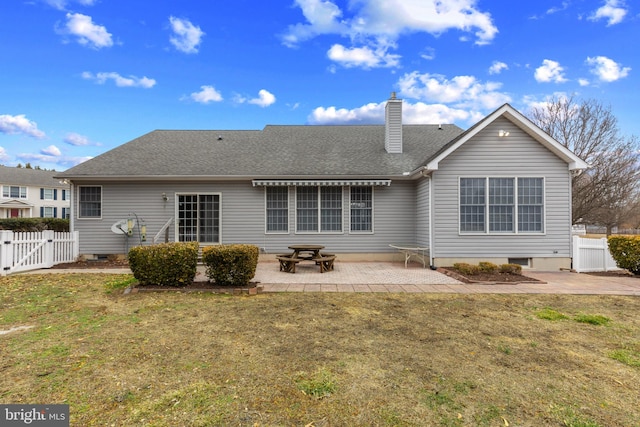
{"x":613,"y":11}
{"x":206,"y":95}
{"x":497,"y":67}
{"x":377,"y":24}
{"x":550,"y":71}
{"x":64,"y":161}
{"x":373,"y":113}
{"x":364,"y":57}
{"x":428,"y":53}
{"x":3,"y":155}
{"x":120,"y":81}
{"x":19,"y":124}
{"x":264,"y":99}
{"x":461,"y":91}
{"x":583,"y":82}
{"x":186,"y":36}
{"x":607,"y":69}
{"x":62,"y":4}
{"x":367,"y":114}
{"x":88,"y":33}
{"x":78,"y":140}
{"x":51,"y":150}
{"x":556,"y":9}
{"x":390,"y":19}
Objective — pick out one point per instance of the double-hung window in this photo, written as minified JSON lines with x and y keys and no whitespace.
{"x":361,"y":209}
{"x":89,"y":201}
{"x":277,"y":203}
{"x":319,"y":209}
{"x":48,"y":194}
{"x":48,"y":212}
{"x":501,"y":205}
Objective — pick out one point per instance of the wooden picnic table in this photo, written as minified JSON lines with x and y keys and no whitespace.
{"x":306,"y":252}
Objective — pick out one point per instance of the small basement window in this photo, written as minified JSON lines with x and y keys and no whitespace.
{"x":523,"y":262}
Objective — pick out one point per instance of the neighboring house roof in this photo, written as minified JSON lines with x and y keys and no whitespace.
{"x":275,"y":151}
{"x":518,"y":119}
{"x":29,"y":177}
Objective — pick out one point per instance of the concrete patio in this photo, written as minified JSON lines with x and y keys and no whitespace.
{"x":394,"y":277}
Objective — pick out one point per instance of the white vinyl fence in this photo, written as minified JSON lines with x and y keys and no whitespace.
{"x":21,"y":251}
{"x":592,"y":255}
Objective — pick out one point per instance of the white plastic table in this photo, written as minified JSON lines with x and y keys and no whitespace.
{"x":411,"y":250}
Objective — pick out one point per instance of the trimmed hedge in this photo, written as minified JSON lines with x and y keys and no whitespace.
{"x":34,"y":224}
{"x":486,"y":267}
{"x":231,"y":265}
{"x":625,"y":250}
{"x":166,"y":264}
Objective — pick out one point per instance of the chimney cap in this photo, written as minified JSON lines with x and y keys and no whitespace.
{"x":393,"y":95}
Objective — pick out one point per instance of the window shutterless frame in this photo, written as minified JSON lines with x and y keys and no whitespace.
{"x":319,"y":209}
{"x":276,"y":201}
{"x":89,"y":202}
{"x":501,"y":205}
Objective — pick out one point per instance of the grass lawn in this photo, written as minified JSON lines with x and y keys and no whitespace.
{"x":325,"y":359}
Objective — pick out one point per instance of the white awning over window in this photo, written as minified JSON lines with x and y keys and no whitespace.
{"x":320,"y":182}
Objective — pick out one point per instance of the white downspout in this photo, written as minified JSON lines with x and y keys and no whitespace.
{"x":431,"y":251}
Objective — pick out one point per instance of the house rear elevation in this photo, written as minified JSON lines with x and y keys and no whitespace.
{"x":500,"y":191}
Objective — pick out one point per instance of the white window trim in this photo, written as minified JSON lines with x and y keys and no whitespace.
{"x":373,"y":210}
{"x":515,"y":232}
{"x":53,"y":211}
{"x":318,"y":231}
{"x":176,"y":212}
{"x":266,"y":231}
{"x":90,"y":218}
{"x":26,"y":192}
{"x":44,"y":193}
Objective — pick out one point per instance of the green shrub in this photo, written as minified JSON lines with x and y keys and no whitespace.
{"x":466,"y":269}
{"x":511,"y":268}
{"x":231,"y":265}
{"x":625,"y":250}
{"x":487,"y":267}
{"x":34,"y":224}
{"x":166,"y":264}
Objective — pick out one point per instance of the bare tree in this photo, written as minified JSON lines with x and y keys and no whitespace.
{"x":606,"y":193}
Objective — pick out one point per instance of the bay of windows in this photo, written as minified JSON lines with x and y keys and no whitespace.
{"x":501,"y":205}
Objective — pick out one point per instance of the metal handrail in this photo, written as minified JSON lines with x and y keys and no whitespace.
{"x":163,"y":230}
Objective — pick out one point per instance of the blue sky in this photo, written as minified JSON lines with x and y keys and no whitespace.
{"x":79,"y":77}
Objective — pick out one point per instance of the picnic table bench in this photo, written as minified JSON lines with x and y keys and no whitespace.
{"x":301,"y":253}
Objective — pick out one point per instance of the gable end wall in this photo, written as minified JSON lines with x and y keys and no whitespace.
{"x":517,"y":155}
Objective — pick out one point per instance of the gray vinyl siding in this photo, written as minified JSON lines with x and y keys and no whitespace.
{"x":487,"y":155}
{"x":422,"y":213}
{"x":242,"y":217}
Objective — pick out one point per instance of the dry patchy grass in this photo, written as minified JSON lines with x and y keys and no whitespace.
{"x":317,"y":359}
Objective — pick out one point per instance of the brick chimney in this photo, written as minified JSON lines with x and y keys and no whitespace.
{"x":393,"y":125}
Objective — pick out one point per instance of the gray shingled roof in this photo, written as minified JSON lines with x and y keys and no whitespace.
{"x":29,"y":177}
{"x":276,"y":151}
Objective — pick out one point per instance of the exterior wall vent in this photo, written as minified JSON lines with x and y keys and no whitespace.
{"x":393,"y":125}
